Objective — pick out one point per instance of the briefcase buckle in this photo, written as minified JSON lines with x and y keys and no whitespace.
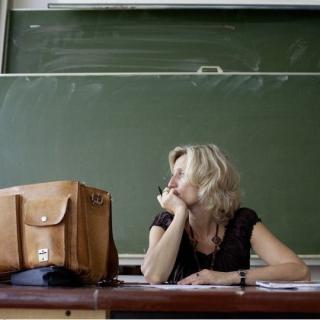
{"x":43,"y":255}
{"x":97,"y":199}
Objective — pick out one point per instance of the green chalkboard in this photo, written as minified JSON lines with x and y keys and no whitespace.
{"x":163,"y":40}
{"x":114,"y":132}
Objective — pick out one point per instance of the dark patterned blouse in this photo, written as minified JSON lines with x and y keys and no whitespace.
{"x":234,"y":252}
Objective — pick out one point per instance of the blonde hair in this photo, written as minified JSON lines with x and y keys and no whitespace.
{"x":209,"y":169}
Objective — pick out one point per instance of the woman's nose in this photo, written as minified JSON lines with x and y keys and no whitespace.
{"x":172,"y":183}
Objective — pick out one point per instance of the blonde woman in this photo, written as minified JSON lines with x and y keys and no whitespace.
{"x":203,"y":236}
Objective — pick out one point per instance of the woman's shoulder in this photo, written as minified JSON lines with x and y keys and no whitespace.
{"x":246,"y":215}
{"x":244,"y":218}
{"x":162,"y":220}
{"x":240,"y":227}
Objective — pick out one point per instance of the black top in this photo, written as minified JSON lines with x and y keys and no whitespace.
{"x":234,"y":252}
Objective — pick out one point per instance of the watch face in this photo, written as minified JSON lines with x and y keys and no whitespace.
{"x":242,"y":273}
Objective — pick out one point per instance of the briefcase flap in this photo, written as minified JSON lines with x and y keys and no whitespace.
{"x":45,"y":212}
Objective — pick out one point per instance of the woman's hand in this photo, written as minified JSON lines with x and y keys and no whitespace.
{"x":171,"y":202}
{"x":206,"y":276}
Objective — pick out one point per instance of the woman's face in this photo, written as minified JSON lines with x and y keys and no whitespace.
{"x":183,"y":189}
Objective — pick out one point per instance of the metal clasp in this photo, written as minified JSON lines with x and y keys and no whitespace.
{"x":43,"y":255}
{"x":96,"y":199}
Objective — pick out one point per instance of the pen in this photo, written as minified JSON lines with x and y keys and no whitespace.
{"x":160,"y":191}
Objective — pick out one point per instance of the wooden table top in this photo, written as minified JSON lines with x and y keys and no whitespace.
{"x":131,"y":297}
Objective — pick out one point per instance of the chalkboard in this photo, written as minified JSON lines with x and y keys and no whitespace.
{"x":162,"y":40}
{"x":115,"y":131}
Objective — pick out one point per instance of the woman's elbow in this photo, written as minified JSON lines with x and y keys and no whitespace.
{"x":300,"y":271}
{"x":150,"y":277}
{"x":153,"y":279}
{"x":305,"y":273}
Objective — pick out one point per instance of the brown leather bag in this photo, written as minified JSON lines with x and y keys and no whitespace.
{"x":63,"y":223}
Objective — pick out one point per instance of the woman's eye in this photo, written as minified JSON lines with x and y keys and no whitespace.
{"x":178,"y":174}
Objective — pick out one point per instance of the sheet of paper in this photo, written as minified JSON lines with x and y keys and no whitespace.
{"x":301,"y":285}
{"x":183,"y":287}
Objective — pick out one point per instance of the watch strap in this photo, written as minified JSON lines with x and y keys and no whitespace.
{"x":243,"y":276}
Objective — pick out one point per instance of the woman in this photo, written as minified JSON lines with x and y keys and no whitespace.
{"x":203,"y":237}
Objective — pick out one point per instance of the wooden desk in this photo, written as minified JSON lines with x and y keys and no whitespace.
{"x":131,"y":301}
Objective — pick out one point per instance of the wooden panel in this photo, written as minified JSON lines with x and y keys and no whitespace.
{"x":16,"y":313}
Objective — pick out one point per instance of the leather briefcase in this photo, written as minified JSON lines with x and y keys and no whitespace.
{"x":63,"y":224}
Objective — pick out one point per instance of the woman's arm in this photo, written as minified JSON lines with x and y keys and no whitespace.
{"x":163,"y":249}
{"x":164,"y":245}
{"x":282,"y":263}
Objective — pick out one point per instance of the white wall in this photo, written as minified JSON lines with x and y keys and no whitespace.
{"x":35,"y":4}
{"x":3,"y":19}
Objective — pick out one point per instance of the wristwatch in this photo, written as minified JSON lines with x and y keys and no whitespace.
{"x":242,"y":275}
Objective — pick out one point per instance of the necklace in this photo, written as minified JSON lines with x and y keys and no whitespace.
{"x":215,"y":239}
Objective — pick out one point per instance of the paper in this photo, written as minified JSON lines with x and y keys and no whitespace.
{"x":289,"y":284}
{"x":183,"y":287}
